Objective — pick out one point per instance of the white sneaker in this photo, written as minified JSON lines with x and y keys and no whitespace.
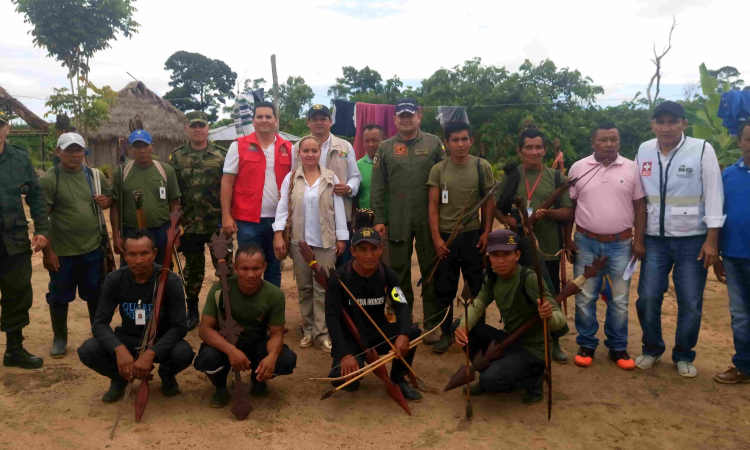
{"x":645,"y":362}
{"x":306,"y":341}
{"x":326,"y":346}
{"x":687,"y":369}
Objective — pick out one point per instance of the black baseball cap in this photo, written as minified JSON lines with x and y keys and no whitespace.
{"x":504,"y":240}
{"x":407,"y":104}
{"x":669,"y":107}
{"x":366,"y":234}
{"x":318,"y":108}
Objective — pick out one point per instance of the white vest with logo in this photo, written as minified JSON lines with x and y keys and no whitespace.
{"x":677,"y":210}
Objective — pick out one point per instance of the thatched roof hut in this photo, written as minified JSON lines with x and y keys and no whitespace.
{"x":8,"y":103}
{"x":162,"y":120}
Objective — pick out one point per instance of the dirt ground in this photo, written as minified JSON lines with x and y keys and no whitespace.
{"x":59,"y":406}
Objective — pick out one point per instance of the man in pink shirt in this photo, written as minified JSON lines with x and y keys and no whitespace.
{"x":608,"y":201}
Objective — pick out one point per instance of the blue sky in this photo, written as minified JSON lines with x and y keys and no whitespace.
{"x":611,"y":42}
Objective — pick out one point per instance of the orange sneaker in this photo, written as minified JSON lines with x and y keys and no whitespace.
{"x":585,"y":357}
{"x":622,"y":359}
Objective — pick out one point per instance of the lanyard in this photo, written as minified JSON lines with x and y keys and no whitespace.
{"x":530,"y":192}
{"x":663,"y":178}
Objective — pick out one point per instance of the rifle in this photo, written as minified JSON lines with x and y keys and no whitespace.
{"x":151,"y":332}
{"x":370,"y":354}
{"x":230,"y":329}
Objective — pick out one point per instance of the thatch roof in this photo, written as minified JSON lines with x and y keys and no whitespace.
{"x":160,"y":118}
{"x":10,"y":103}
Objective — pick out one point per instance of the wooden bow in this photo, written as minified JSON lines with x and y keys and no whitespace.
{"x":151,"y":332}
{"x":370,"y":354}
{"x":230,"y":329}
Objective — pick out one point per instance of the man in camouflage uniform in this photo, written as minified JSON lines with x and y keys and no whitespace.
{"x":17,"y":176}
{"x":401,"y":168}
{"x":198,"y":165}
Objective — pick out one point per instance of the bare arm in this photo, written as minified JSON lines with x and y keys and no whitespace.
{"x":228,"y":224}
{"x":433,"y":214}
{"x":639,"y":249}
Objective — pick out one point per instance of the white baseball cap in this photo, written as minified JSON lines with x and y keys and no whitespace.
{"x":67,"y":139}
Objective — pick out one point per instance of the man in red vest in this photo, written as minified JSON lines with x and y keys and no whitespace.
{"x":254,"y":168}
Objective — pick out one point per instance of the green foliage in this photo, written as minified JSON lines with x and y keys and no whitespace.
{"x":725,"y":75}
{"x":91,"y":110}
{"x":366,"y":86}
{"x":199,"y":83}
{"x":31,"y":145}
{"x":106,"y":170}
{"x":295,"y":96}
{"x":222,"y":123}
{"x":705,"y":120}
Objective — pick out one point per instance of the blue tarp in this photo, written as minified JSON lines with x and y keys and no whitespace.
{"x":734,"y":108}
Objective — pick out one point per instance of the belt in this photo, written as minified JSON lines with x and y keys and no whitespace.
{"x":627,"y":234}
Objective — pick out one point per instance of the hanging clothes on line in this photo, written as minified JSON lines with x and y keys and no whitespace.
{"x":343,"y":118}
{"x":243,"y":111}
{"x":733,"y":109}
{"x":450,"y":114}
{"x":366,"y":113}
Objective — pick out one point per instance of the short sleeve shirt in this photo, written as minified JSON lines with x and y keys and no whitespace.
{"x":461,"y":181}
{"x":149,"y":181}
{"x":255,"y":313}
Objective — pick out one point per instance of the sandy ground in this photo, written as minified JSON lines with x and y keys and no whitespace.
{"x":59,"y":406}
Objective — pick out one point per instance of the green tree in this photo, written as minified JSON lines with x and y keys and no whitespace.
{"x":295,"y":96}
{"x":93,"y":110}
{"x":729,"y":76}
{"x":199,"y":83}
{"x":72,"y":32}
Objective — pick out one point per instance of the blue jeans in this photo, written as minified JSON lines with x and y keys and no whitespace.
{"x":689,"y":277}
{"x":79,"y":272}
{"x":261,"y":234}
{"x":616,"y":321}
{"x":738,"y":286}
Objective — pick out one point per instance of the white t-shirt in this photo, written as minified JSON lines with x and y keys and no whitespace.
{"x":270,"y":190}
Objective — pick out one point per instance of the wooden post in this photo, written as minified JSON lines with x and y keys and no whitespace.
{"x":275,"y":87}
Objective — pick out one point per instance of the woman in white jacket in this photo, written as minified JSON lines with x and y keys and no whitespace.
{"x":318,"y":218}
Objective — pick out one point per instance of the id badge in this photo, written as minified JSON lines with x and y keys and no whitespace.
{"x":163,"y":193}
{"x":529,"y":211}
{"x":445,"y":196}
{"x":140,"y":317}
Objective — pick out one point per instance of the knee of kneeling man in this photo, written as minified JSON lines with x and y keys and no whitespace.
{"x":287,"y":360}
{"x":182,"y":354}
{"x":88,"y":350}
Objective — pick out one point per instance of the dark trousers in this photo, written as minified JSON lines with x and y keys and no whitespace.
{"x":210,"y":359}
{"x":193,"y":246}
{"x":160,"y":240}
{"x":97,"y":358}
{"x":78,"y":272}
{"x":464,"y":257}
{"x":15,"y":289}
{"x":347,"y":255}
{"x":516,"y":369}
{"x":398,"y":370}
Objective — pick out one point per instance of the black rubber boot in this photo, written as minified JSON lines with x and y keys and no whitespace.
{"x":409,"y":392}
{"x":475,"y":389}
{"x":558,"y":355}
{"x":169,"y":385}
{"x":259,"y":389}
{"x":443,"y":344}
{"x":193,"y":317}
{"x":92,"y":305}
{"x":17,"y":356}
{"x":58,"y":314}
{"x":116,"y":390}
{"x":221,"y":396}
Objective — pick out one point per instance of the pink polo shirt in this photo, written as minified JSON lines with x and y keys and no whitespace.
{"x":604,"y":197}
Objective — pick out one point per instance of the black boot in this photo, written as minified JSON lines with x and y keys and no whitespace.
{"x":558,"y":355}
{"x":169,"y":385}
{"x":92,"y":305}
{"x":409,"y":392}
{"x":116,"y":390}
{"x":192,"y":314}
{"x":259,"y":388}
{"x":221,"y":396}
{"x":17,"y":356}
{"x":58,"y":314}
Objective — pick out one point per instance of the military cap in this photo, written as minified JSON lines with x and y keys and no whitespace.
{"x":196,"y":117}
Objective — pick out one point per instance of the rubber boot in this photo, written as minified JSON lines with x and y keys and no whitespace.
{"x":92,"y":306}
{"x":443,"y":344}
{"x":193,"y":317}
{"x":17,"y":356}
{"x":169,"y":385}
{"x":116,"y":390}
{"x":58,"y":314}
{"x":220,"y":398}
{"x":558,"y":355}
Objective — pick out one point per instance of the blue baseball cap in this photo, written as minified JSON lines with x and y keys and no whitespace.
{"x":140,"y":135}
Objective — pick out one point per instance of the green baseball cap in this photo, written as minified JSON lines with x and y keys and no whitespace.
{"x":3,"y":118}
{"x":197,"y":116}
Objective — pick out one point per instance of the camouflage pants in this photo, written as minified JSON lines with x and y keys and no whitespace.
{"x":193,"y":246}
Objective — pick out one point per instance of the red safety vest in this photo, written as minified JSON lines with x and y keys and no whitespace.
{"x":251,"y":176}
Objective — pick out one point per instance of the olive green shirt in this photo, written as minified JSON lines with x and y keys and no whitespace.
{"x":461,"y":181}
{"x":401,"y":169}
{"x":74,"y":223}
{"x":545,"y":230}
{"x":17,"y":173}
{"x":148,"y":180}
{"x":254,"y":313}
{"x":199,"y":175}
{"x":515,"y":311}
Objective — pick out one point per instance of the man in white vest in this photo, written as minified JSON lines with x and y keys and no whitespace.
{"x":682,"y":180}
{"x":337,"y":155}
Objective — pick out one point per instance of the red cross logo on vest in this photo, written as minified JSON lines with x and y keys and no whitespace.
{"x":646,"y":171}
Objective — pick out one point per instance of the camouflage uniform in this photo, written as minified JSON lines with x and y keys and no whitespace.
{"x":199,"y":175}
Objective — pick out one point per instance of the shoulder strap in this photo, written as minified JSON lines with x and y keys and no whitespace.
{"x":158,"y":165}
{"x":126,"y":170}
{"x":521,"y":289}
{"x":558,"y":183}
{"x":508,"y":195}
